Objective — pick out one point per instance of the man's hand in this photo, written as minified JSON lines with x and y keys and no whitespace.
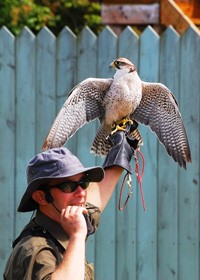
{"x":73,"y":263}
{"x":73,"y":221}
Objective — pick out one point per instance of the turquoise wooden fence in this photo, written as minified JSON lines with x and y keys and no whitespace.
{"x":36,"y":73}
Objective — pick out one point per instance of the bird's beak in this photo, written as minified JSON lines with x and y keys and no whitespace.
{"x":112,"y":65}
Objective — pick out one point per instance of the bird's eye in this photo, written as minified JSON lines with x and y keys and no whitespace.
{"x":117,"y":63}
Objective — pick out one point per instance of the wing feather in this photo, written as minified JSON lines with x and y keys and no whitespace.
{"x":84,"y":104}
{"x":159,"y":110}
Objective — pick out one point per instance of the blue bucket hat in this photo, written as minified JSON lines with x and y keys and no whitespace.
{"x":56,"y":163}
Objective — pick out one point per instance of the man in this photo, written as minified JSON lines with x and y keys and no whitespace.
{"x":69,"y":199}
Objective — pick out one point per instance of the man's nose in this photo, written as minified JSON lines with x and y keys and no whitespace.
{"x":80,"y":190}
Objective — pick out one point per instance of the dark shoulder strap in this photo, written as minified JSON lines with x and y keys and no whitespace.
{"x":40,"y":232}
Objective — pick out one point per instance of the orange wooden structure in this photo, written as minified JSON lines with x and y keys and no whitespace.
{"x":180,"y":14}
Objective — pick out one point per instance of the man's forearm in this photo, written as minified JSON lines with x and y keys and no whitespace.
{"x":100,"y":193}
{"x":73,"y":263}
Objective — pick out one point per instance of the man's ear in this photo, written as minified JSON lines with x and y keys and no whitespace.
{"x":39,"y":197}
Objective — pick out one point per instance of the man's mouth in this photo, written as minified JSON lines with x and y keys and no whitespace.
{"x":79,"y":204}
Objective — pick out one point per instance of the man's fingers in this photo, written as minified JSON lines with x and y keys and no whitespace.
{"x":74,"y":209}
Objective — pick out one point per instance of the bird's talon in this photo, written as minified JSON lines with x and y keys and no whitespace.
{"x":118,"y":128}
{"x":121,"y":125}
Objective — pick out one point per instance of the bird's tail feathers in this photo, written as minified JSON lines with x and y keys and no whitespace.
{"x":100,"y":144}
{"x":135,"y":135}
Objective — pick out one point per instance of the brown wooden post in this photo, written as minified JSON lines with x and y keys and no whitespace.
{"x":196,"y":9}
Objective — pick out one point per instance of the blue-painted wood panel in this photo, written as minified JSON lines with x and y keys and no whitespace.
{"x":147,"y":247}
{"x":168,"y":188}
{"x":45,"y":84}
{"x":87,"y":61}
{"x":189,"y":212}
{"x":105,"y":237}
{"x":126,"y":221}
{"x":87,"y":67}
{"x":25,"y":114}
{"x":7,"y":151}
{"x":66,"y":71}
{"x":36,"y":75}
{"x":66,"y":62}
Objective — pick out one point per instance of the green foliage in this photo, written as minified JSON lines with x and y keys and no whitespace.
{"x":77,"y":14}
{"x":54,"y":14}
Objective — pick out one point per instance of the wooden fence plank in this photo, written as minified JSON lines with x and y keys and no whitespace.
{"x":105,"y":237}
{"x":130,"y":50}
{"x":66,"y":64}
{"x":87,"y":67}
{"x":7,"y":151}
{"x":87,"y":61}
{"x":25,"y":115}
{"x":126,"y":230}
{"x":168,"y":185}
{"x":147,"y":221}
{"x":189,"y":216}
{"x":46,"y":85}
{"x":66,"y":71}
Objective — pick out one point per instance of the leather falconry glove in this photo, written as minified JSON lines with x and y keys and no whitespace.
{"x":122,"y":148}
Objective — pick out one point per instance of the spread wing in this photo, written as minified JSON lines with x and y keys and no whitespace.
{"x":159,"y":109}
{"x":83,"y":105}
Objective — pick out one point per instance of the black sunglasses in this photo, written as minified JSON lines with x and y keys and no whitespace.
{"x":69,"y":187}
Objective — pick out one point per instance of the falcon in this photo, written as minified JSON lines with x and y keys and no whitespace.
{"x":116,"y":101}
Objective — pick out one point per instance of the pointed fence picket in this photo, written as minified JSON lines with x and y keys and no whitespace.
{"x":126,"y":221}
{"x":167,"y":189}
{"x":189,"y":201}
{"x":25,"y":80}
{"x":147,"y":247}
{"x":7,"y":151}
{"x":36,"y":73}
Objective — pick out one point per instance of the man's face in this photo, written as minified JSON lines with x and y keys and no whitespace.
{"x":62,"y":199}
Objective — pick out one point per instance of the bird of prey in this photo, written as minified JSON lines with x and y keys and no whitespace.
{"x":115,"y":101}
